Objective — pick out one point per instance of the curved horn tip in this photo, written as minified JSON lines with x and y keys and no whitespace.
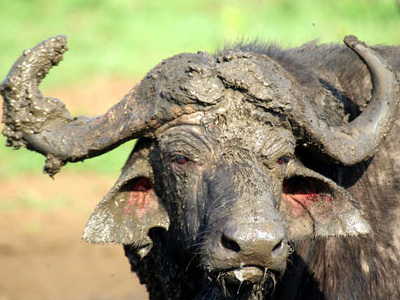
{"x":34,"y":63}
{"x":58,"y":41}
{"x":50,"y":47}
{"x":53,"y":46}
{"x":352,"y":41}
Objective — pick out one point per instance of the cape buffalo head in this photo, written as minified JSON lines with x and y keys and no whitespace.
{"x":216,"y":164}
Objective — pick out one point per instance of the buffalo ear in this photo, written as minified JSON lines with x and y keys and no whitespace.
{"x":314,"y":205}
{"x":131,"y":208}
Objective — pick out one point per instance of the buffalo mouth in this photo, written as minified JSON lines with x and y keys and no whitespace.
{"x":247,"y":280}
{"x":248,"y":274}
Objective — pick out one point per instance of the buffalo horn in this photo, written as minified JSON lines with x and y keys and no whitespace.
{"x":359,"y":139}
{"x":44,"y":124}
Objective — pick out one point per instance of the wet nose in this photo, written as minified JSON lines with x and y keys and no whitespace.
{"x":260,"y":244}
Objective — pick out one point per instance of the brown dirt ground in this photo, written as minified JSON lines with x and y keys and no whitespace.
{"x":42,"y":255}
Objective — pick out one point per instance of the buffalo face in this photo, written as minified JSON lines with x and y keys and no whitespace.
{"x":222,"y":184}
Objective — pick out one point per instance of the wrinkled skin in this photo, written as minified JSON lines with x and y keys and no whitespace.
{"x":224,"y":188}
{"x":234,"y":189}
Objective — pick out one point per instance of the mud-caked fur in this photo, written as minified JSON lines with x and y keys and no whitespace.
{"x":361,"y":267}
{"x":259,"y":173}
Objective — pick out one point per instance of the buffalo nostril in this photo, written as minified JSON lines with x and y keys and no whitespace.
{"x":229,"y":243}
{"x":277,"y":248}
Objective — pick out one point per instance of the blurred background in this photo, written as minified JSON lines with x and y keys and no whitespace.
{"x":113,"y":43}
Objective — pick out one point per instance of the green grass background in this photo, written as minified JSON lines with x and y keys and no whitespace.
{"x":126,"y":38}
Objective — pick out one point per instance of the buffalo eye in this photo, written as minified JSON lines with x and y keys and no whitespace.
{"x":283,"y":160}
{"x":181,"y":160}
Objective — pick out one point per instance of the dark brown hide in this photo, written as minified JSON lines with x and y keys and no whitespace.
{"x":254,"y":176}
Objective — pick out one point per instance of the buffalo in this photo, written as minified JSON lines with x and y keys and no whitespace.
{"x":259,"y":173}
